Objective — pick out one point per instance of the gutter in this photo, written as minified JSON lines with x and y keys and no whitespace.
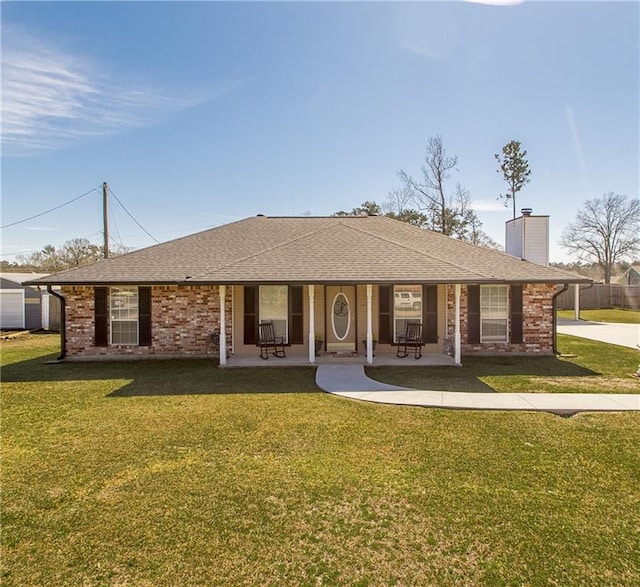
{"x":63,"y":340}
{"x":555,"y":319}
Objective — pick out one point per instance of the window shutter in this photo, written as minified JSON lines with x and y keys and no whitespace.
{"x":144,"y":316}
{"x":385,"y":313}
{"x":473,"y":314}
{"x":430,"y":313}
{"x":250,"y":314}
{"x":515,"y":311}
{"x":296,"y":331}
{"x":100,"y":316}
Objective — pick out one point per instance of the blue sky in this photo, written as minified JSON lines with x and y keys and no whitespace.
{"x":201,"y":113}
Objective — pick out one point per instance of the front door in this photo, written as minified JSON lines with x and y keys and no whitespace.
{"x":341,"y":318}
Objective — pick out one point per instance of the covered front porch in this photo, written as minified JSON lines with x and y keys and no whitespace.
{"x":381,"y":359}
{"x":348,"y":318}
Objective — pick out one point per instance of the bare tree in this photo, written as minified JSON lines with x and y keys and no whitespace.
{"x":79,"y":251}
{"x":606,"y":231}
{"x":430,"y":204}
{"x":429,"y":194}
{"x":73,"y":253}
{"x":399,"y":207}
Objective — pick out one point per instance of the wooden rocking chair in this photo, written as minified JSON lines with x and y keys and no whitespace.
{"x":269,"y":340}
{"x":412,"y":338}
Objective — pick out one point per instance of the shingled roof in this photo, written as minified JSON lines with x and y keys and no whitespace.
{"x":352,"y":249}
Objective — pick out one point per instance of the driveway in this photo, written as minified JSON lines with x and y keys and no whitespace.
{"x":621,"y":334}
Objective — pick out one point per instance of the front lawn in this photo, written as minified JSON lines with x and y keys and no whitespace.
{"x":606,"y":315}
{"x":114,"y":474}
{"x":586,"y":366}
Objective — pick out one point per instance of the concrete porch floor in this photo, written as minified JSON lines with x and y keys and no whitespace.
{"x":299,"y":360}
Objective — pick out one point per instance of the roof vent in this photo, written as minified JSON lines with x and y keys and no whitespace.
{"x":526,"y":211}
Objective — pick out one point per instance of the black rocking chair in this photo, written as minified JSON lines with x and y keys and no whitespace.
{"x":269,"y":340}
{"x":412,"y":338}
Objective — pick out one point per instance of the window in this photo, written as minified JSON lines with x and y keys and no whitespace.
{"x":494,"y":312}
{"x":123,"y":305}
{"x":407,"y":305}
{"x":274,"y":306}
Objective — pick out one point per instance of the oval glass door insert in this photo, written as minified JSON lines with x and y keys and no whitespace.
{"x":341,"y":316}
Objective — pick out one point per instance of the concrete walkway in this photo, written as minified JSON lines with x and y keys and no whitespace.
{"x":350,"y":381}
{"x":621,"y":334}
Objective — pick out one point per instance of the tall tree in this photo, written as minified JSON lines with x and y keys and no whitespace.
{"x":515,"y":170}
{"x":430,"y":203}
{"x":606,"y":230}
{"x":429,"y":193}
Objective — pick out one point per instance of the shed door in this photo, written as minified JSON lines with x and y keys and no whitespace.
{"x":341,"y":318}
{"x":12,"y":309}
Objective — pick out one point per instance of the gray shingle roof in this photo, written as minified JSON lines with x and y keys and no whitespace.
{"x":371,"y":249}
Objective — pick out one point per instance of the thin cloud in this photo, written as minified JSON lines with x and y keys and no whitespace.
{"x":487,"y":206}
{"x":577,"y":146}
{"x":52,"y":98}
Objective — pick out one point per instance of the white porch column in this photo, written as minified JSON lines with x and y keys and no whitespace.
{"x":576,"y":301}
{"x":312,"y":324}
{"x":456,"y":335}
{"x":369,"y":325}
{"x":223,"y":325}
{"x":44,"y":311}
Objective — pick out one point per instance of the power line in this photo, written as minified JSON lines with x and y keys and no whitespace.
{"x":51,"y":210}
{"x":132,"y":217}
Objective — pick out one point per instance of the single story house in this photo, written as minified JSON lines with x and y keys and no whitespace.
{"x":345,"y":280}
{"x":25,"y":306}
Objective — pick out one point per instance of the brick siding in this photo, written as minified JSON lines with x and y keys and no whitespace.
{"x":182,"y":319}
{"x":184,"y":316}
{"x":537,"y":322}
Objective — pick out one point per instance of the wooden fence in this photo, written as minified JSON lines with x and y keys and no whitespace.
{"x":602,"y":296}
{"x":54,"y":314}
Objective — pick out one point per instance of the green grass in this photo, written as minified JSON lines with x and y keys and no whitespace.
{"x":606,"y":315}
{"x":591,"y":367}
{"x":110,"y":479}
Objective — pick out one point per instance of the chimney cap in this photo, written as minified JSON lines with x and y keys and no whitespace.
{"x":526,"y":211}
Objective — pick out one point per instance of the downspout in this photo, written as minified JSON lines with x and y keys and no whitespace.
{"x":63,"y":340}
{"x":555,"y":319}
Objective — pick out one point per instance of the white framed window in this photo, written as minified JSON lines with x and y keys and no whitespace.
{"x":274,"y":306}
{"x":494,"y":313}
{"x":123,"y":313}
{"x":407,"y":305}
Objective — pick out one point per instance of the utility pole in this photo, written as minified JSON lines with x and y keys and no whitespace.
{"x":105,"y":218}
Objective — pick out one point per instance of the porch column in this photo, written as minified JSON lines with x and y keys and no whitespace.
{"x":456,"y":335}
{"x":223,"y":325}
{"x":576,"y":301}
{"x":369,"y":325}
{"x":312,"y":324}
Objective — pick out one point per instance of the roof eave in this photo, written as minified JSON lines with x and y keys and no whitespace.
{"x":372,"y":280}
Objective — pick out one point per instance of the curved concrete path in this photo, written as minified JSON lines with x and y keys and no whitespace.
{"x":350,"y":381}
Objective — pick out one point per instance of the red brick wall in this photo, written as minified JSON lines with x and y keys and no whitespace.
{"x":182,"y":319}
{"x":537,"y":317}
